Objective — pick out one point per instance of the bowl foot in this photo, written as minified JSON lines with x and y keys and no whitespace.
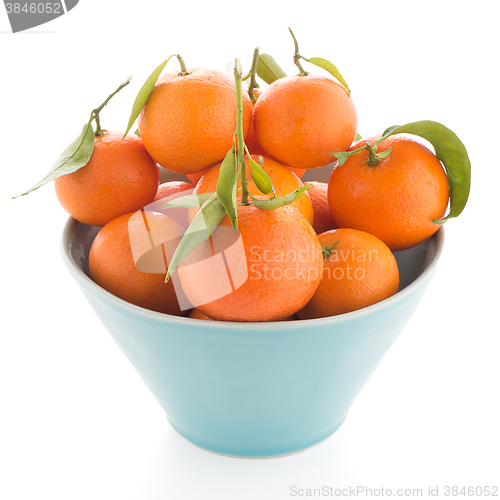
{"x":250,"y":455}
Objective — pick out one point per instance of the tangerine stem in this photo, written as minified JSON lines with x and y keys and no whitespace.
{"x":327,"y":251}
{"x":240,"y":143}
{"x":372,"y":155}
{"x":253,"y":71}
{"x":98,"y":130}
{"x":297,"y":56}
{"x":184,"y":70}
{"x":96,"y":111}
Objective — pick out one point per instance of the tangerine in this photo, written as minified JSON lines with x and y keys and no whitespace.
{"x":283,"y":179}
{"x":323,"y":220}
{"x":189,"y":119}
{"x":265,"y":271}
{"x":298,"y":120}
{"x":197,"y":314}
{"x":358,"y":271}
{"x":395,"y":199}
{"x":120,"y":177}
{"x":124,"y":261}
{"x":194,"y":178}
{"x":254,"y":146}
{"x":171,"y":188}
{"x":169,"y":191}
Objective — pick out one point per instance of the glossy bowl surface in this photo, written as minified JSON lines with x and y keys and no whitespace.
{"x":255,"y":389}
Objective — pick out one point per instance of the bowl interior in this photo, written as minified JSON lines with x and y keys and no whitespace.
{"x":412,"y":263}
{"x":78,"y":238}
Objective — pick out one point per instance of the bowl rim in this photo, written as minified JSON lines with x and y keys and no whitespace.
{"x":84,"y":280}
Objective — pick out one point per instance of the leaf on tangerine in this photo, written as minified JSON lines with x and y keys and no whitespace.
{"x":387,"y":132}
{"x":226,"y":182}
{"x":273,"y":203}
{"x":189,"y":201}
{"x":451,"y":152}
{"x":341,"y":156}
{"x":261,"y":178}
{"x":202,"y":226}
{"x":144,"y":94}
{"x":331,"y":68}
{"x":74,"y":157}
{"x":383,"y":154}
{"x":268,"y":69}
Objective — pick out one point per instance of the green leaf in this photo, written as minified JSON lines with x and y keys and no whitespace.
{"x":273,"y":203}
{"x":260,"y":178}
{"x":74,"y":157}
{"x":200,"y":229}
{"x":268,"y":69}
{"x":341,"y":156}
{"x":226,"y":182}
{"x":328,"y":66}
{"x":383,"y":154}
{"x":357,"y":138}
{"x":189,"y":201}
{"x":144,"y":94}
{"x":387,"y":133}
{"x":137,"y":132}
{"x":451,"y":152}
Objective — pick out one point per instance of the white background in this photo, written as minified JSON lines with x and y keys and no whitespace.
{"x":76,"y":422}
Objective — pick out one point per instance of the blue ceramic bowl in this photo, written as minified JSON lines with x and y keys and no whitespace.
{"x":255,"y":389}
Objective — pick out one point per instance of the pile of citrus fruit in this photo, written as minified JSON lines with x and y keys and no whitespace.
{"x":242,"y":237}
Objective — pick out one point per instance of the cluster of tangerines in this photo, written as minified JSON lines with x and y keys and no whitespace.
{"x":310,"y":249}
